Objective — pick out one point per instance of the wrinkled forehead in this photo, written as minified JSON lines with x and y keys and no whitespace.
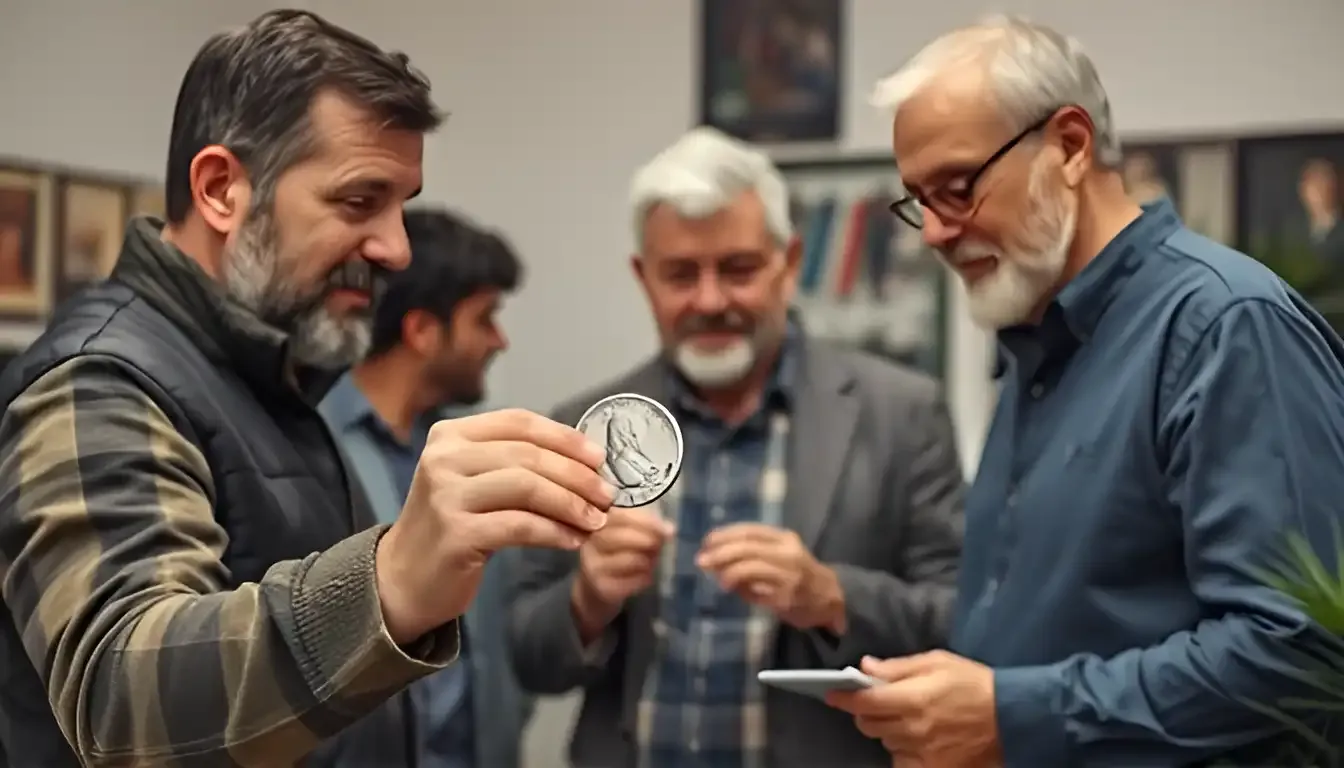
{"x":948,"y":127}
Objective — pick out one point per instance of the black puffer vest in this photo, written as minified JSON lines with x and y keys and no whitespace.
{"x":282,"y":488}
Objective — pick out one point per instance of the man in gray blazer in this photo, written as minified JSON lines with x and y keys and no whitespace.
{"x":434,"y":334}
{"x":817,"y":518}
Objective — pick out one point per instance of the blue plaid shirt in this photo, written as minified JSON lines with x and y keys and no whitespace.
{"x":701,"y":703}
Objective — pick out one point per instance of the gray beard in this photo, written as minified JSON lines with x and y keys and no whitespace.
{"x":254,"y":278}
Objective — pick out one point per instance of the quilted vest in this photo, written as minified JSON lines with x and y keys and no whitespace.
{"x":282,"y":488}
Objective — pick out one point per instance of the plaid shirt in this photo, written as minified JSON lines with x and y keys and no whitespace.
{"x":701,"y":702}
{"x":110,"y":566}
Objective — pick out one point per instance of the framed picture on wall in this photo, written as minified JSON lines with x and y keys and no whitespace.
{"x":770,"y":69}
{"x":147,"y":200}
{"x":1292,"y":215}
{"x":26,"y":224}
{"x":1198,"y":177}
{"x":866,"y":279}
{"x":93,"y":220}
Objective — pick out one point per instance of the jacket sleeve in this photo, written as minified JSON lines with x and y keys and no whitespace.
{"x":110,"y":565}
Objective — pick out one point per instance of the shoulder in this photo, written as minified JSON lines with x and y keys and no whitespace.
{"x":1208,"y":280}
{"x":634,"y":380}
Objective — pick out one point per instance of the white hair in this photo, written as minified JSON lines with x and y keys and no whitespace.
{"x":1032,"y":69}
{"x":702,"y":173}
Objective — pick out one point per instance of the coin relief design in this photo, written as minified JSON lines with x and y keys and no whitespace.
{"x":643,"y":444}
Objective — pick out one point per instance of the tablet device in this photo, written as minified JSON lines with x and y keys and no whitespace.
{"x":816,"y":682}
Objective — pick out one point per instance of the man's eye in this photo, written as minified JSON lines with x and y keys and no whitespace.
{"x":358,"y":203}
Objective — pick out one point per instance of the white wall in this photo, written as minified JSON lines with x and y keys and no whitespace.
{"x":554,"y":104}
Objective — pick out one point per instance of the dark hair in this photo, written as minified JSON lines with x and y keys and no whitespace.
{"x":249,"y":90}
{"x":451,"y":259}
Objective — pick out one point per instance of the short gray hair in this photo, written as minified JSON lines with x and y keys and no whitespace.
{"x":701,"y":174}
{"x":1032,"y":68}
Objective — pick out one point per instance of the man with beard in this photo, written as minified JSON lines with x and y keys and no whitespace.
{"x":1171,"y":413}
{"x":434,"y":334}
{"x":189,"y":577}
{"x":817,"y":516}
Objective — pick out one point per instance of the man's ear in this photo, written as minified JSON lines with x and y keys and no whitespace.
{"x":220,"y":189}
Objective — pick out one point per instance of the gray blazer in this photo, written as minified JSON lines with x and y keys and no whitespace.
{"x":875,"y":489}
{"x":500,"y":708}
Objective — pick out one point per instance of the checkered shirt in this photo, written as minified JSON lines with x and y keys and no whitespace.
{"x":702,"y":705}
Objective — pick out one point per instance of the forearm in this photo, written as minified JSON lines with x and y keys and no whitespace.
{"x":1187,"y":700}
{"x":267,"y":670}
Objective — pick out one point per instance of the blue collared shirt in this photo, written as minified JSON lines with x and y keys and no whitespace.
{"x":1178,"y":411}
{"x":444,"y":717}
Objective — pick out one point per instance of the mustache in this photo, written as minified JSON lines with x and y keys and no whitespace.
{"x":721,"y":322}
{"x":358,"y":275}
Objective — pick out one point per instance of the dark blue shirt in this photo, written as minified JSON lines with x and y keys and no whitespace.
{"x":1176,"y":414}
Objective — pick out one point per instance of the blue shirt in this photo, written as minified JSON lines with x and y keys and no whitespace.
{"x":1176,"y":414}
{"x":444,"y":718}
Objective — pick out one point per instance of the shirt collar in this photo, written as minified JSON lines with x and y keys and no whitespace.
{"x":1073,"y":315}
{"x":780,"y":388}
{"x":1085,"y":299}
{"x":346,"y":405}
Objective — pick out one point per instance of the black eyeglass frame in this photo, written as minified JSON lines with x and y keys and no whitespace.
{"x":898,"y":207}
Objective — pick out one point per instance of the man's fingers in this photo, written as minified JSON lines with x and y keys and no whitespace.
{"x":622,"y":565}
{"x":900,"y":667}
{"x":518,"y":488}
{"x":753,"y":573}
{"x":622,"y":536}
{"x":757,"y":532}
{"x":517,"y":424}
{"x":518,"y":528}
{"x":471,"y":459}
{"x":726,"y":553}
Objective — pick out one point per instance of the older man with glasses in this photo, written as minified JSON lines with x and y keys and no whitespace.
{"x":1170,"y":413}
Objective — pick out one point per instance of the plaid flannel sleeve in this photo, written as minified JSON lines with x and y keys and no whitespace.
{"x":110,"y":565}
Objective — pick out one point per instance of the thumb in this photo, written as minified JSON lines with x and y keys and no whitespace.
{"x":899,"y":668}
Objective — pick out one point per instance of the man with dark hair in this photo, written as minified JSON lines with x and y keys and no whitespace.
{"x":189,"y":574}
{"x":434,"y":334}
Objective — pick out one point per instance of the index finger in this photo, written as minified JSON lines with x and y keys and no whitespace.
{"x":890,"y":700}
{"x":526,"y":426}
{"x":757,"y":532}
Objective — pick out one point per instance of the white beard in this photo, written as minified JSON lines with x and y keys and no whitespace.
{"x":253,"y":277}
{"x":720,"y":368}
{"x":1026,"y":270}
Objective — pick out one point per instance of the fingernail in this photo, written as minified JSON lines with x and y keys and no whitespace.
{"x":595,"y":454}
{"x":609,"y":489}
{"x":668,"y":528}
{"x":596,"y":518}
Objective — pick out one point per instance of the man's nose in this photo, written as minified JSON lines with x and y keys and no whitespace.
{"x":389,"y":247}
{"x":709,"y":296}
{"x":938,"y":233}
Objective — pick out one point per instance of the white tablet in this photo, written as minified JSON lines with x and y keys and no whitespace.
{"x":816,"y":682}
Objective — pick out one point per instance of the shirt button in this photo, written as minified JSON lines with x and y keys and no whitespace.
{"x":700,"y":685}
{"x":1037,"y":390}
{"x":717,"y":513}
{"x":695,"y":745}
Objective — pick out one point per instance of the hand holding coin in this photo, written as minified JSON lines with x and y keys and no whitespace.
{"x":484,"y":482}
{"x":643,"y":459}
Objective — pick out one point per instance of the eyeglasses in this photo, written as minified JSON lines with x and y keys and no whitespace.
{"x":955,"y":201}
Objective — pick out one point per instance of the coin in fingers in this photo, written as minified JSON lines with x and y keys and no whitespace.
{"x":643,"y":446}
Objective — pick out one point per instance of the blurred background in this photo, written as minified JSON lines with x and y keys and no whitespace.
{"x":1233,"y":108}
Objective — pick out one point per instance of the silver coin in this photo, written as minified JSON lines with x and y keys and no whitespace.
{"x":643,"y":444}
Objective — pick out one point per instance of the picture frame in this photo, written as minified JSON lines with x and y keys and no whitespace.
{"x":1198,"y":176}
{"x":1290,"y":195}
{"x":93,"y":223}
{"x":147,"y":199}
{"x":771,"y":71}
{"x":27,"y":202}
{"x":866,"y":280}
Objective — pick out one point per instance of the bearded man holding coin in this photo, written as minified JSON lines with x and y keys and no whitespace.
{"x":780,"y":503}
